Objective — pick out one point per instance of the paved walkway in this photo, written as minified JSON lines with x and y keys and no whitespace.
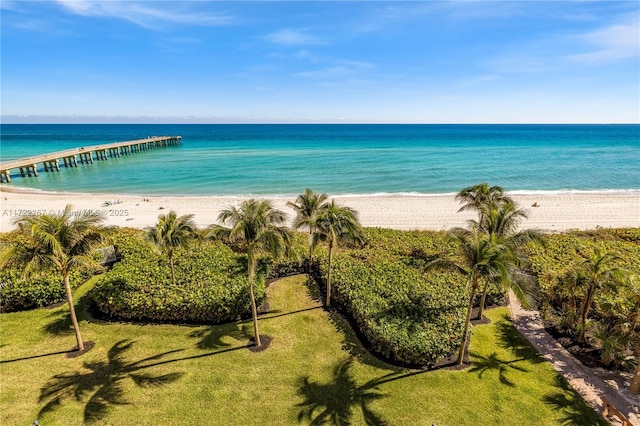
{"x":590,"y":383}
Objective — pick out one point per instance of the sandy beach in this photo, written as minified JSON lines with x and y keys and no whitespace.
{"x":557,"y":212}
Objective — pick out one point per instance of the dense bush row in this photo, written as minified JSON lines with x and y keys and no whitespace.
{"x":614,"y":318}
{"x":19,"y":294}
{"x":406,"y":314}
{"x":211,"y":284}
{"x":565,"y":252}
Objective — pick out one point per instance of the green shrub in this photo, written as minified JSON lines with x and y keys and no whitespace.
{"x":41,"y":289}
{"x":616,"y":309}
{"x":211,"y":284}
{"x":17,"y":294}
{"x":565,"y":252}
{"x":294,"y":263}
{"x":407,"y":315}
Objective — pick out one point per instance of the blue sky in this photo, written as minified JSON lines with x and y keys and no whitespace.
{"x":330,"y":61}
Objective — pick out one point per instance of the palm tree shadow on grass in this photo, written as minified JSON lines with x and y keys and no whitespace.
{"x":482,"y":364}
{"x":351,"y":341}
{"x":211,"y":337}
{"x":510,"y":338}
{"x":60,"y":317}
{"x":574,"y":409}
{"x":335,"y":401}
{"x":101,"y":386}
{"x":59,"y":322}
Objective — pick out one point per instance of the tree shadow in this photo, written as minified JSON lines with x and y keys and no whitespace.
{"x":60,"y":318}
{"x":211,"y":337}
{"x":101,"y":387}
{"x":38,"y":356}
{"x":59,"y":322}
{"x":278,"y":313}
{"x":335,"y":401}
{"x":352,"y":342}
{"x":510,"y":338}
{"x":574,"y":409}
{"x":314,"y":289}
{"x":482,"y":364}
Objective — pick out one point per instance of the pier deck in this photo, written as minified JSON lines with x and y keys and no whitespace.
{"x":87,"y":154}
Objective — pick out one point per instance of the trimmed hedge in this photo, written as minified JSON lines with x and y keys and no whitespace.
{"x":407,"y":315}
{"x":211,"y":284}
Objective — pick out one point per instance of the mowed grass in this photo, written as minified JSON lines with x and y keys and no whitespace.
{"x":314,"y":370}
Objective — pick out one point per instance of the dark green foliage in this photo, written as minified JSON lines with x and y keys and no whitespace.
{"x":210,"y":285}
{"x":565,"y":252}
{"x":615,"y":311}
{"x":19,"y":294}
{"x":291,"y":263}
{"x":407,"y":315}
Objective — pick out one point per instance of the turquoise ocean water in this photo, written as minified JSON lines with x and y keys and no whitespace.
{"x":338,"y":159}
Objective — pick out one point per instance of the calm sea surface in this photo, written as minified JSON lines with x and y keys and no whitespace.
{"x":337,"y":159}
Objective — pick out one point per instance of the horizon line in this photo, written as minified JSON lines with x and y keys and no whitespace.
{"x":52,"y":119}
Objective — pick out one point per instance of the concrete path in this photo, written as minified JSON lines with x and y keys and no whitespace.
{"x":591,"y":383}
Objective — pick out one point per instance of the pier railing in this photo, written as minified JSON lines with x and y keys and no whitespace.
{"x":87,"y":154}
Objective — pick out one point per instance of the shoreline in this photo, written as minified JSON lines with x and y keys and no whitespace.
{"x":518,"y":192}
{"x":555,"y":211}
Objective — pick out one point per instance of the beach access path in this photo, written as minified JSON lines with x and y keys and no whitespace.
{"x":591,"y":383}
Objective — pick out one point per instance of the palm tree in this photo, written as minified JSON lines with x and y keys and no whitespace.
{"x":64,"y":242}
{"x":482,"y":259}
{"x":308,"y":207}
{"x":333,"y":224}
{"x":170,"y":233}
{"x":479,"y":196}
{"x":499,"y":220}
{"x":256,"y":227}
{"x":599,"y":270}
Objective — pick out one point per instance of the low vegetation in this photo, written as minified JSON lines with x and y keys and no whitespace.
{"x":210,"y":287}
{"x":406,"y":313}
{"x":565,"y":271}
{"x":314,"y":371}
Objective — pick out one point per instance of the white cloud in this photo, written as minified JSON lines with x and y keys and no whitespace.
{"x":291,"y":37}
{"x":326,"y":73}
{"x":141,"y":14}
{"x":614,"y":42}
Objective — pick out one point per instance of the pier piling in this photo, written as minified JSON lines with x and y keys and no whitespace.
{"x":84,"y":155}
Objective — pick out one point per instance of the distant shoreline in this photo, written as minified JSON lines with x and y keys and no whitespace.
{"x":555,"y":212}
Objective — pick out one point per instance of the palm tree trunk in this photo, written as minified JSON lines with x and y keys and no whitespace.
{"x":74,"y":319}
{"x":583,"y":314}
{"x":328,"y":301}
{"x":482,"y":299}
{"x":465,"y":332}
{"x":254,"y":310}
{"x":173,"y":276}
{"x":310,"y":252}
{"x":634,"y":387}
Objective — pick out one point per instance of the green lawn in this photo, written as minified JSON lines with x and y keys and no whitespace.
{"x":313,"y":369}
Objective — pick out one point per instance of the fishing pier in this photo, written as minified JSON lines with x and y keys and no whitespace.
{"x":83,"y":155}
